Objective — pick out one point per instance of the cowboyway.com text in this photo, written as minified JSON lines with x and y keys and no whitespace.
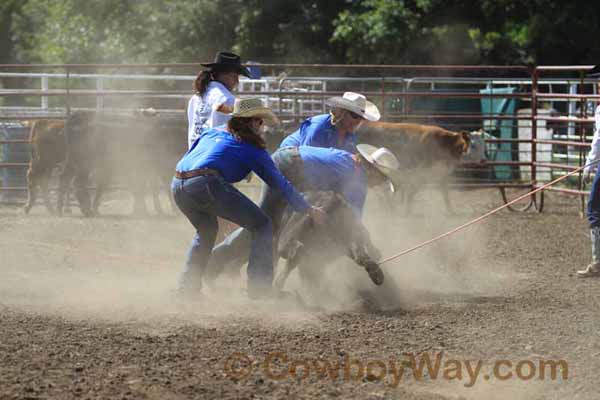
{"x":393,"y":370}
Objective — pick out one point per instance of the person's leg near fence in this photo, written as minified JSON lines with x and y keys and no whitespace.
{"x":593,"y":215}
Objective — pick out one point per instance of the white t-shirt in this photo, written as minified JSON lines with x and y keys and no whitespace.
{"x":202,"y":111}
{"x":595,"y":149}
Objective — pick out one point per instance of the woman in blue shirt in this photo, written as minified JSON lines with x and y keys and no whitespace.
{"x":202,"y":189}
{"x":337,"y":128}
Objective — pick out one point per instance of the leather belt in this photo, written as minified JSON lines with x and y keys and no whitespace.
{"x":196,"y":172}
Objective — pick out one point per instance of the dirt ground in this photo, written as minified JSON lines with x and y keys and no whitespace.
{"x":87,"y":311}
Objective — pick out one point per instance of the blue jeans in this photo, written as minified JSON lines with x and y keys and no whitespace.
{"x":235,"y":246}
{"x":202,"y":199}
{"x":593,"y":205}
{"x":595,"y":235}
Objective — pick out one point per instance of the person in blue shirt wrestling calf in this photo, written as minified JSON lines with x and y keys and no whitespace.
{"x":202,"y":189}
{"x":315,"y":169}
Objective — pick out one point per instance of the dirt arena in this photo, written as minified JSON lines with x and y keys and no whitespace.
{"x":87,"y":311}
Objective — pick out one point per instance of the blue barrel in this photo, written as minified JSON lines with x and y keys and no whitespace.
{"x":503,"y":129}
{"x":14,"y":153}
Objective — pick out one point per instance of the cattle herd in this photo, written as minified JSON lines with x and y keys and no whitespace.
{"x":139,"y":149}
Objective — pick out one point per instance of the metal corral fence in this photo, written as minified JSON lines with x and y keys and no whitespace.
{"x":537,"y":121}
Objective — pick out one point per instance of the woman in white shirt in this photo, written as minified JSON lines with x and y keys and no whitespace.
{"x":212,"y":103}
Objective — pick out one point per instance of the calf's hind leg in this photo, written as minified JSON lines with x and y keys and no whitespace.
{"x":294,"y":254}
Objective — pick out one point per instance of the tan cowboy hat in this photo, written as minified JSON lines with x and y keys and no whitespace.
{"x":356,"y":103}
{"x":253,"y":107}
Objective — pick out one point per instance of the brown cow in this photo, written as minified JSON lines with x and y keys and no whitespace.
{"x":425,"y":152}
{"x":48,"y":151}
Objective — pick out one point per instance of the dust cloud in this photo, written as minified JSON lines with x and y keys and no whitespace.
{"x":117,"y":268}
{"x":123,"y":268}
{"x":454,"y":269}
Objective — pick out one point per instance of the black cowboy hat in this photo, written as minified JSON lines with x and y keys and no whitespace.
{"x":225,"y":61}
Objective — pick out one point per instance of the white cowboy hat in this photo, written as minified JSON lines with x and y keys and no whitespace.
{"x":381,"y":158}
{"x":356,"y":103}
{"x":253,"y":108}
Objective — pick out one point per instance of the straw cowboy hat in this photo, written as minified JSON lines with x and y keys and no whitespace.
{"x":253,"y":108}
{"x":226,"y":62}
{"x":356,"y":103}
{"x":381,"y":158}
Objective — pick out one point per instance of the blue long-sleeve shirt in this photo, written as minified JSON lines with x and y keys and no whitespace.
{"x":335,"y":170}
{"x":234,"y":159}
{"x":319,"y":132}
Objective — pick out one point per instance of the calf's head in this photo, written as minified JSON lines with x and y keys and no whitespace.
{"x":453,"y":145}
{"x":476,"y":151}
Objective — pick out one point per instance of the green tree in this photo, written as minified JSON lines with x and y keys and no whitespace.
{"x":303,"y":31}
{"x":9,"y":11}
{"x":289,"y":31}
{"x":126,"y":31}
{"x":193,"y":30}
{"x":398,"y":31}
{"x":469,"y":31}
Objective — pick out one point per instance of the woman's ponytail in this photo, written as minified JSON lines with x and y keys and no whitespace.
{"x":201,"y":82}
{"x":240,"y":128}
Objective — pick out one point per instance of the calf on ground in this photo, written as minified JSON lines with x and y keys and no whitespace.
{"x":301,"y":242}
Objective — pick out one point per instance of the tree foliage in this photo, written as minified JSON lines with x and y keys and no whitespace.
{"x":303,"y":31}
{"x":468,"y":31}
{"x":288,"y":31}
